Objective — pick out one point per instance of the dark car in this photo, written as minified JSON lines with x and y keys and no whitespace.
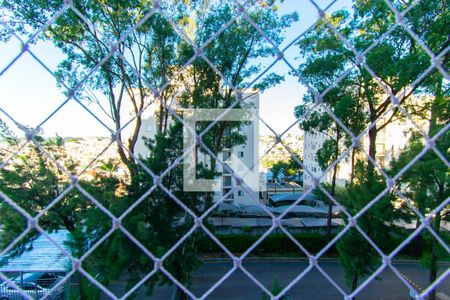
{"x":35,"y":285}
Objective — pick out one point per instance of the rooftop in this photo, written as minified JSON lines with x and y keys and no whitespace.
{"x":42,"y":255}
{"x":290,"y":197}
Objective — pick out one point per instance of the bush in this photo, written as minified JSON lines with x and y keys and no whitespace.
{"x":277,"y":243}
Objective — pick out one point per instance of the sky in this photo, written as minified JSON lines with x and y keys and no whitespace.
{"x":29,"y":93}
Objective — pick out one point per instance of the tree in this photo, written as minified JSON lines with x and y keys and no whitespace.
{"x":235,"y":52}
{"x":158,"y":222}
{"x":92,"y":224}
{"x":201,"y":87}
{"x":169,"y":221}
{"x":32,"y":181}
{"x":341,"y":102}
{"x":427,"y":180}
{"x":427,"y":183}
{"x":357,"y":256}
{"x":150,"y":51}
{"x":155,"y":53}
{"x":397,"y":61}
{"x":275,"y":289}
{"x":286,"y":168}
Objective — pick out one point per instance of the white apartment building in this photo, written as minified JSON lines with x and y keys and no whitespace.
{"x":241,"y":159}
{"x":312,"y":142}
{"x":390,"y":141}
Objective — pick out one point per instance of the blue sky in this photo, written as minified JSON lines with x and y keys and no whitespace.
{"x":29,"y":93}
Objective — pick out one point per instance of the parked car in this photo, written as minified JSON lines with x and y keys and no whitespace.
{"x":35,"y":285}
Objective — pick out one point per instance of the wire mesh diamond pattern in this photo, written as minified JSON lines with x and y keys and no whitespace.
{"x":117,"y":58}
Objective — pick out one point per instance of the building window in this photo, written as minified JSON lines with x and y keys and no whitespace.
{"x":240,"y":193}
{"x":227,"y":171}
{"x":240,"y":154}
{"x":227,"y":180}
{"x":230,"y":196}
{"x":226,"y":154}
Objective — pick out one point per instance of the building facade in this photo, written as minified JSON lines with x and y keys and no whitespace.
{"x":391,"y":140}
{"x":243,"y":160}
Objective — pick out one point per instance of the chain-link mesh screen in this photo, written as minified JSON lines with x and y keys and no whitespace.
{"x":359,"y":81}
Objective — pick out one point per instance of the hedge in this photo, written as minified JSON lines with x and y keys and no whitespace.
{"x":276,"y":243}
{"x":280,"y":244}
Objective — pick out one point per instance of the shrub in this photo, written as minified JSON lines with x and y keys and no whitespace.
{"x":277,"y":243}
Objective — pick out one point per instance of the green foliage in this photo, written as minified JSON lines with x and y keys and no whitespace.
{"x":274,"y":244}
{"x":167,"y":221}
{"x":427,"y":180}
{"x":397,"y":60}
{"x":358,"y":100}
{"x":115,"y":87}
{"x":236,"y":53}
{"x":340,"y":192}
{"x":7,"y":135}
{"x":433,"y":251}
{"x":426,"y":183}
{"x":327,"y":154}
{"x":156,"y":53}
{"x":86,"y":289}
{"x":287,"y":168}
{"x":275,"y":290}
{"x":357,"y":256}
{"x":158,"y":222}
{"x":32,"y":181}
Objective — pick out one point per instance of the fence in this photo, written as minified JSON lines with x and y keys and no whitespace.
{"x":35,"y":285}
{"x":111,"y":58}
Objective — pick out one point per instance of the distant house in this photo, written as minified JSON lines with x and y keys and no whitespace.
{"x":41,"y":255}
{"x":281,"y":178}
{"x":39,"y":269}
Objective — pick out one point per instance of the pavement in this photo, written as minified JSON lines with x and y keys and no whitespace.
{"x":313,"y":286}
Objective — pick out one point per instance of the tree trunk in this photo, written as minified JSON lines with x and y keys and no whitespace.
{"x":435,"y":109}
{"x":354,"y":282}
{"x":160,"y":116}
{"x":437,"y":220}
{"x":133,"y":169}
{"x":127,"y":161}
{"x":166,"y":118}
{"x":181,"y":295}
{"x":330,"y":214}
{"x":372,"y":153}
{"x":434,"y":258}
{"x":433,"y":270}
{"x":352,"y":174}
{"x":212,"y":167}
{"x":333,"y":184}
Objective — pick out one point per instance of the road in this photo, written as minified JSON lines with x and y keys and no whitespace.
{"x":313,"y":286}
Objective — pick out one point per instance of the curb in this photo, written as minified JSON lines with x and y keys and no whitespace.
{"x":293,"y":259}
